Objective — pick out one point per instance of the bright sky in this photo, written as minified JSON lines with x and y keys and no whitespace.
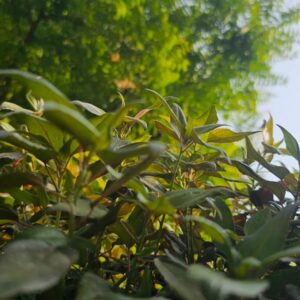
{"x":284,"y":103}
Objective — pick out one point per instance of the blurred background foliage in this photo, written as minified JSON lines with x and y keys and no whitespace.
{"x":202,"y":51}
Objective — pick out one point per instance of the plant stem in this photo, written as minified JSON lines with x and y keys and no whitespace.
{"x":161,"y":224}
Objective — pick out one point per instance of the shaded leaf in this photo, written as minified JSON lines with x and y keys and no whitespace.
{"x":17,"y":179}
{"x":53,"y":237}
{"x":29,"y":266}
{"x":190,"y":197}
{"x":15,"y":139}
{"x":93,"y":287}
{"x":175,"y":276}
{"x":82,"y":208}
{"x":270,"y":238}
{"x":252,"y":154}
{"x":206,"y":128}
{"x":221,"y":287}
{"x":257,"y":221}
{"x":280,"y":280}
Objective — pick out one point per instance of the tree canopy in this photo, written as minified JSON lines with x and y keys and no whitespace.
{"x":201,"y":51}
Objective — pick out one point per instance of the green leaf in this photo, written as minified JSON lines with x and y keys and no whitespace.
{"x":270,"y":238}
{"x":197,"y":140}
{"x":151,"y":152}
{"x":276,"y":187}
{"x":173,"y":114}
{"x":41,"y":152}
{"x":166,"y":130}
{"x":93,"y":287}
{"x":180,"y":115}
{"x":257,"y":221}
{"x":221,"y":287}
{"x":214,"y":230}
{"x":42,"y":127}
{"x":53,"y":237}
{"x":82,"y":208}
{"x":40,"y":87}
{"x":24,"y":197}
{"x":291,"y":143}
{"x":225,"y":135}
{"x":176,"y":277}
{"x":281,"y":281}
{"x":218,"y":235}
{"x":223,"y":215}
{"x":209,"y":117}
{"x":206,"y":128}
{"x":190,"y":197}
{"x":145,"y":288}
{"x":286,"y":253}
{"x":17,"y":179}
{"x":30,"y":266}
{"x":252,"y":154}
{"x":89,"y":107}
{"x":14,"y":107}
{"x":75,"y":123}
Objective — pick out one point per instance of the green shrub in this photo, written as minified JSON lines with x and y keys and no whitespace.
{"x":93,"y":206}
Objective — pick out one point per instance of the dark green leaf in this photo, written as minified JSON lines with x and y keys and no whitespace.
{"x":175,"y":276}
{"x":82,"y":208}
{"x":29,"y":266}
{"x":193,"y":196}
{"x":15,"y":139}
{"x":16,"y":179}
{"x":221,"y":287}
{"x":257,"y":221}
{"x":53,"y":237}
{"x":270,"y":238}
{"x":291,"y":143}
{"x":252,"y":154}
{"x":93,"y":287}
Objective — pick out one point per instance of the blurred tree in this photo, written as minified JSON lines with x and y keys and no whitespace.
{"x":202,"y":51}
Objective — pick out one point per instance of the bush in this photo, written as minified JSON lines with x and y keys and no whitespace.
{"x":94,"y":207}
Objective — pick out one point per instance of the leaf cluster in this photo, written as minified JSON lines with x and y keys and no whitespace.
{"x":98,"y":205}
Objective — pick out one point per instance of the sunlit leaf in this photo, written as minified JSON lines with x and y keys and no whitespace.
{"x":225,"y":135}
{"x":40,"y":87}
{"x":268,"y":132}
{"x":73,"y":122}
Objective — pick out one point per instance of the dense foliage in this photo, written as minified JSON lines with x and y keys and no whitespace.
{"x":202,"y":51}
{"x":93,"y":206}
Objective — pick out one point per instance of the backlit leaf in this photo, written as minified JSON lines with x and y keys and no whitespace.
{"x":225,"y":135}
